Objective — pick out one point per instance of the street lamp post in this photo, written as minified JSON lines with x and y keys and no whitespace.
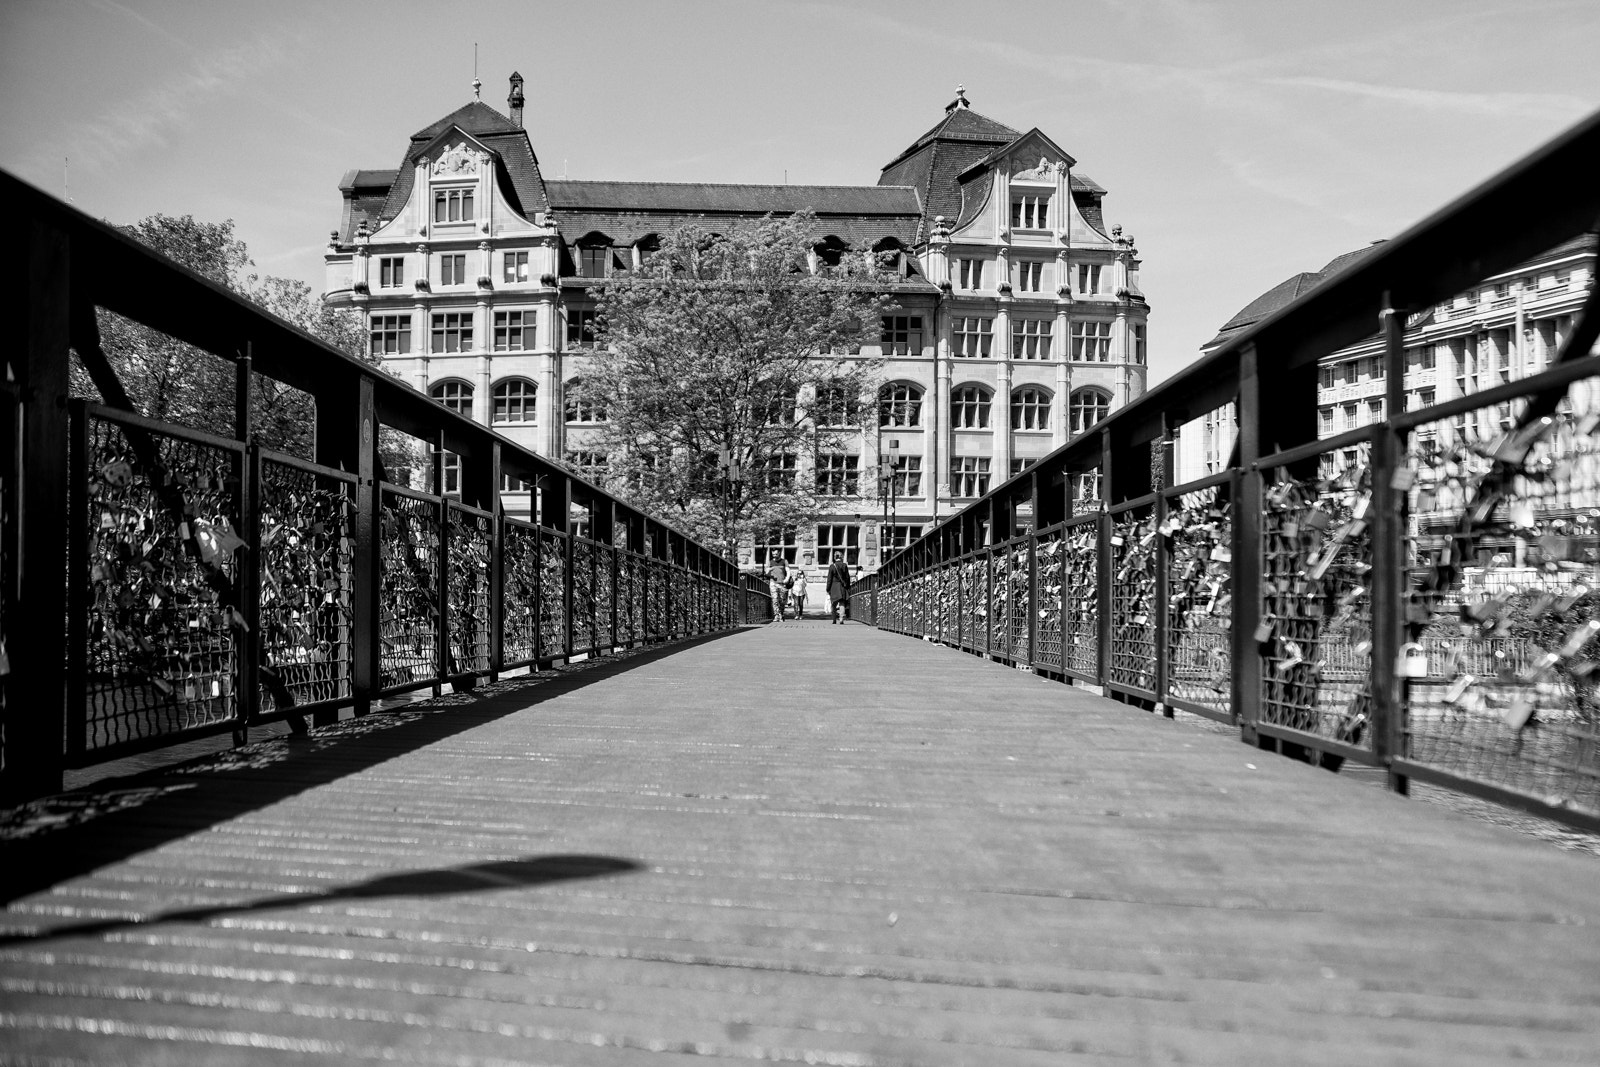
{"x":889,"y":491}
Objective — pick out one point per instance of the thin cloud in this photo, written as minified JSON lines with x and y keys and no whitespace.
{"x":1545,"y":106}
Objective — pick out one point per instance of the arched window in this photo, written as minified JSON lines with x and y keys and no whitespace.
{"x":453,"y":394}
{"x":830,"y":250}
{"x":900,"y":404}
{"x":1088,"y":406}
{"x":581,"y":408}
{"x":514,"y":400}
{"x":969,"y":408}
{"x":1030,"y":409}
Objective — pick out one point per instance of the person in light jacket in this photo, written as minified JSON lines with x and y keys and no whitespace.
{"x":778,"y":581}
{"x":797,"y":592}
{"x":838,"y":589}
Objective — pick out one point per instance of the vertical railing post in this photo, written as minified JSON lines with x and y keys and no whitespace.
{"x":441,"y":593}
{"x":77,"y":707}
{"x":1163,"y":449}
{"x":365,"y":643}
{"x":248,"y":584}
{"x":497,"y":577}
{"x":1247,"y":561}
{"x":38,"y":295}
{"x":1033,"y":572}
{"x":1103,"y":564}
{"x":1387,"y":513}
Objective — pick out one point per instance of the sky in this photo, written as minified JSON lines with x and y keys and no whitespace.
{"x":1241,"y":142}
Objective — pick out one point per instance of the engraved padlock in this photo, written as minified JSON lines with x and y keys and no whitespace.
{"x":1412,"y":661}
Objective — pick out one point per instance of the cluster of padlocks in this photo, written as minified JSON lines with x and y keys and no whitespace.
{"x":1199,"y":531}
{"x":161,"y":641}
{"x":469,"y":552}
{"x":1133,"y":592}
{"x":408,"y":609}
{"x":304,"y":610}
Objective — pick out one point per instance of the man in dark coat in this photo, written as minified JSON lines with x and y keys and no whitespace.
{"x":838,"y":589}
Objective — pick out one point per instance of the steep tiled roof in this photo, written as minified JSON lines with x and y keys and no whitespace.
{"x":476,"y":118}
{"x":626,"y":211}
{"x":1285,"y":292}
{"x":934,"y":160}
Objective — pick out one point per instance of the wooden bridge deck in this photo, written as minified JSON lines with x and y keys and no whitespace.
{"x":799,"y":844}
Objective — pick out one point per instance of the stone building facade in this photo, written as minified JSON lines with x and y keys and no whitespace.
{"x":1020,"y":321}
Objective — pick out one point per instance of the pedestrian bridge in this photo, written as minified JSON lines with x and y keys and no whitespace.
{"x":794,"y":843}
{"x":1004,"y":813}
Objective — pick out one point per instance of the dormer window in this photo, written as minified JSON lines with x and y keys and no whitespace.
{"x":453,"y":205}
{"x":1030,"y":211}
{"x":592,"y":260}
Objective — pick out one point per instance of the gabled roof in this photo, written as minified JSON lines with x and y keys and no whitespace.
{"x":476,"y":118}
{"x":516,"y":167}
{"x":1010,"y":146}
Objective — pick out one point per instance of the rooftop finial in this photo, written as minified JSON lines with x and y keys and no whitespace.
{"x":961,"y":96}
{"x":477,"y":86}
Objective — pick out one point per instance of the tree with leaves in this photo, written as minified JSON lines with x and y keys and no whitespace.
{"x":726,"y":359}
{"x":175,"y":382}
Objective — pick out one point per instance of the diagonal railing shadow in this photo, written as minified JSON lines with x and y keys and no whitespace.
{"x":445,"y":881}
{"x":56,"y":838}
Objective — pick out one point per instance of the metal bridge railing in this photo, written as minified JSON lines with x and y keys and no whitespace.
{"x":1421,"y":594}
{"x":208,"y":584}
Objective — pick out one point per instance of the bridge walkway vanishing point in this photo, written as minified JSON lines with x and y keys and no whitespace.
{"x":801,"y":843}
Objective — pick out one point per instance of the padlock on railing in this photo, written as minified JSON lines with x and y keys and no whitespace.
{"x":1412,"y":662}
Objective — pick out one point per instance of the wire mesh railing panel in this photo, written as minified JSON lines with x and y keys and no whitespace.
{"x":680,"y":602}
{"x":1199,"y":531}
{"x":1080,"y":600}
{"x":519,"y":593}
{"x":656,"y":615}
{"x":552,"y":594}
{"x":305,"y":620}
{"x":583,"y":595}
{"x":1019,"y":600}
{"x":1316,"y":629}
{"x":950,"y":603}
{"x":470,"y":551}
{"x":995,"y":602}
{"x":605,"y":620}
{"x":408,"y":589}
{"x":1132,"y":652}
{"x":1504,"y":507}
{"x":163,"y":648}
{"x":627,"y":597}
{"x":1049,"y":553}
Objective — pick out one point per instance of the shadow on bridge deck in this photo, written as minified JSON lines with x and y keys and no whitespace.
{"x":805,"y":842}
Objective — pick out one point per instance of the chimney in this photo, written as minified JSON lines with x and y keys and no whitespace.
{"x":514,"y":101}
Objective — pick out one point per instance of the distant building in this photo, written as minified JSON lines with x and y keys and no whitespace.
{"x":1021,"y":321}
{"x":1506,"y":327}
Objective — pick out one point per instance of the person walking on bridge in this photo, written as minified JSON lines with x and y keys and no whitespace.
{"x":838,"y":588}
{"x":797,"y":592}
{"x":778,"y":576}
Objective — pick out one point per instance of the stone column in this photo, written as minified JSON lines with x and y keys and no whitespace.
{"x":421,"y":337}
{"x":1061,"y":346}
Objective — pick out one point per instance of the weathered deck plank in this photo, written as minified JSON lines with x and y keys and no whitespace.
{"x":807,"y":844}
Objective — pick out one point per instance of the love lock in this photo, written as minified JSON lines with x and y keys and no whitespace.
{"x":1412,"y":661}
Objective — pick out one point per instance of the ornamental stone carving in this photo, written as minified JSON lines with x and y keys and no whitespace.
{"x":457,"y":159}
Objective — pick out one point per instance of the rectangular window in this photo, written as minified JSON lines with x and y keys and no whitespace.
{"x":1021,"y":463}
{"x":838,"y":541}
{"x":897,"y":536}
{"x":1029,"y":276}
{"x":973,"y":336}
{"x":777,"y":471}
{"x":1325,"y":377}
{"x":1374,"y":411}
{"x":592,"y":261}
{"x":969,"y":475}
{"x":1030,"y":211}
{"x":775,"y":545}
{"x":514,"y":331}
{"x":1030,"y":338}
{"x":1138,"y":343}
{"x":907,"y":477}
{"x":516,"y":267}
{"x":1091,"y":342}
{"x":838,"y":474}
{"x":452,"y":474}
{"x":901,"y":335}
{"x":1350,"y":417}
{"x":1327,"y":422}
{"x":580,"y":328}
{"x":587,"y":464}
{"x":452,"y":331}
{"x":390,"y":335}
{"x":970,"y":273}
{"x":1088,"y":279}
{"x":1348,"y":373}
{"x":391,"y":272}
{"x":453,"y":269}
{"x":453,"y":205}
